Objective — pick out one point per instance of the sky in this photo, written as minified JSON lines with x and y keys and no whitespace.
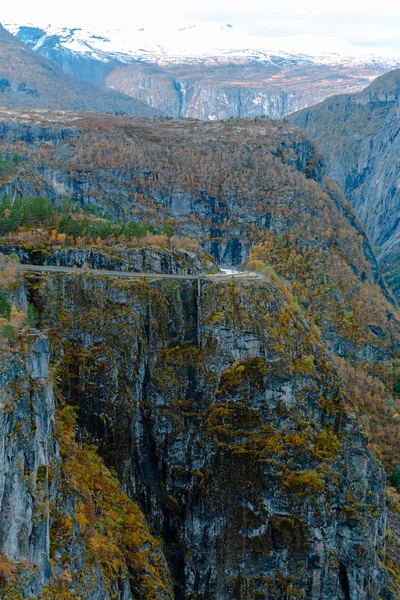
{"x":360,"y":22}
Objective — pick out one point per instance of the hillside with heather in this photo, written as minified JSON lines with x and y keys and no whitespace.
{"x":170,"y":437}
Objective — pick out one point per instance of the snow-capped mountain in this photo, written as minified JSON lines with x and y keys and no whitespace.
{"x":170,"y":43}
{"x":32,"y":81}
{"x":208,"y":70}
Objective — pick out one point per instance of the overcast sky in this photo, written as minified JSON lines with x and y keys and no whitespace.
{"x":360,"y":22}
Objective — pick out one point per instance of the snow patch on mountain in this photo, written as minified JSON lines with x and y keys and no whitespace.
{"x":207,"y":42}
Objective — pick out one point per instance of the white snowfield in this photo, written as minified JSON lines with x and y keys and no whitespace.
{"x":170,"y":43}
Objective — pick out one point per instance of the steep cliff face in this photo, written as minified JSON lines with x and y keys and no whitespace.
{"x":45,"y":549}
{"x":211,"y":416}
{"x":67,"y":528}
{"x":229,"y":91}
{"x":139,"y":260}
{"x":27,"y":453}
{"x":221,"y":414}
{"x":232,"y":185}
{"x":358,"y":137}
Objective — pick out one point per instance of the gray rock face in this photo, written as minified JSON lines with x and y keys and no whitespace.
{"x":208,"y":101}
{"x":39,"y":535}
{"x":358,"y":136}
{"x":29,"y":474}
{"x":210,"y":429}
{"x":27,"y":453}
{"x":138,"y":260}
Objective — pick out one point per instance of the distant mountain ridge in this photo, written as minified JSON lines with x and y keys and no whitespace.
{"x":359,"y":137}
{"x":29,"y":80}
{"x":207,"y":70}
{"x":211,"y":42}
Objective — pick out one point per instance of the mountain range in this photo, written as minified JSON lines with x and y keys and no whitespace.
{"x":174,"y":435}
{"x":27,"y":79}
{"x":208,"y":70}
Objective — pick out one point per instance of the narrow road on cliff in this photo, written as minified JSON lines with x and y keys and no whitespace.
{"x":242,"y":275}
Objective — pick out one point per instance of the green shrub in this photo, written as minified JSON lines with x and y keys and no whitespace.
{"x":396,"y":387}
{"x":7,"y":166}
{"x":69,"y":226}
{"x":32,"y":317}
{"x":5,"y":308}
{"x":7,"y":332}
{"x":38,"y":211}
{"x":395,"y":477}
{"x":27,"y":212}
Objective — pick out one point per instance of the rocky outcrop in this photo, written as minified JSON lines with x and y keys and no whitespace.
{"x":27,"y":455}
{"x":139,"y":260}
{"x":43,"y":548}
{"x":239,"y":451}
{"x":212,"y":95}
{"x":358,"y":136}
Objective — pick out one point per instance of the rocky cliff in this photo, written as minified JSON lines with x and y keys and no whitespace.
{"x":222,"y":417}
{"x":139,"y":260}
{"x":46,"y":481}
{"x":27,"y":452}
{"x":121,"y":166}
{"x":231,"y":184}
{"x":213,"y":92}
{"x":358,"y":137}
{"x":209,"y":439}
